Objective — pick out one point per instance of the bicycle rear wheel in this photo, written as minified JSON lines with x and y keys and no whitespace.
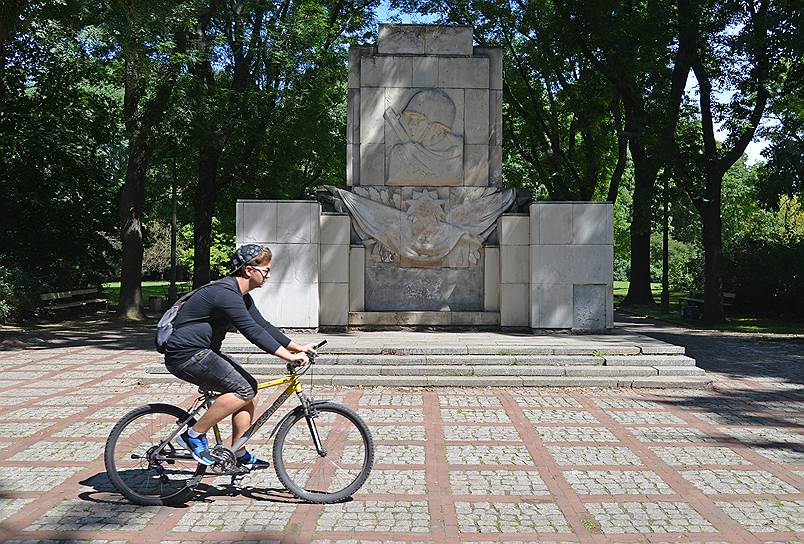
{"x":341,"y":471}
{"x":143,"y":475}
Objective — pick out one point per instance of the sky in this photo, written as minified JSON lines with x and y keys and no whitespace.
{"x":754,"y":149}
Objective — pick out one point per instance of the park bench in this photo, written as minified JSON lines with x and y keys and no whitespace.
{"x":65,"y":301}
{"x":691,"y":306}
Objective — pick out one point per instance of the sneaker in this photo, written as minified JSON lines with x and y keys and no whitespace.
{"x":252,"y":461}
{"x":198,"y":447}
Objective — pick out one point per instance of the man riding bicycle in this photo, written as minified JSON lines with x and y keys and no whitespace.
{"x":193,"y":351}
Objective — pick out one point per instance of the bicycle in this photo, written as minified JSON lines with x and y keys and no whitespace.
{"x":325,"y":460}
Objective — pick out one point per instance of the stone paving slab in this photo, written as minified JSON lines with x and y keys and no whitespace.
{"x":453,"y":464}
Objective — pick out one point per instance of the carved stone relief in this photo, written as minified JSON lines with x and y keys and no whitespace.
{"x":427,"y":152}
{"x":425,"y":228}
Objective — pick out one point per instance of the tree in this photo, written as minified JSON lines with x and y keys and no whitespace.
{"x":254,"y":59}
{"x":731,"y":48}
{"x":151,"y":38}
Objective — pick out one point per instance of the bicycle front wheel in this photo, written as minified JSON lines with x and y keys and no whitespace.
{"x":141,"y":473}
{"x":333,"y":474}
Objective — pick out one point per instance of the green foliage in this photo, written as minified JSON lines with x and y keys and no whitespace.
{"x":223,"y":245}
{"x":18,"y":294}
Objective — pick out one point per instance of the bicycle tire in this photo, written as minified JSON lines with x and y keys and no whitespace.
{"x":123,"y":479}
{"x":316,"y":495}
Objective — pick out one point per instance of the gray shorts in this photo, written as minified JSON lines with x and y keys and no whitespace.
{"x":217,"y":372}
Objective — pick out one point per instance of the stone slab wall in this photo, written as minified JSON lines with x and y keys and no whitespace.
{"x":434,"y":73}
{"x":292,"y":230}
{"x":571,"y":265}
{"x":513,"y":231}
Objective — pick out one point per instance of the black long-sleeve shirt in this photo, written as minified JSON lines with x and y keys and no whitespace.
{"x":202,"y":322}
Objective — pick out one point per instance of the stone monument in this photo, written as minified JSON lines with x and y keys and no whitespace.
{"x":424,"y":234}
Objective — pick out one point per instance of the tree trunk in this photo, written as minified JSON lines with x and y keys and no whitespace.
{"x":132,"y":202}
{"x":713,"y":250}
{"x":644,"y":181}
{"x":205,"y":196}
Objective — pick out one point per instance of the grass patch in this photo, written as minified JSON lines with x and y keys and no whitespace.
{"x":149,"y":289}
{"x":734,"y":323}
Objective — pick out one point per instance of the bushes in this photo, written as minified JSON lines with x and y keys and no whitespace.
{"x":17,"y":293}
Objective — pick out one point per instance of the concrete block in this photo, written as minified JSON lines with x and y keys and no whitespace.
{"x":386,"y":72}
{"x":514,"y":304}
{"x":294,"y":221}
{"x":592,"y":223}
{"x":448,"y":40}
{"x":314,"y":211}
{"x":513,"y":230}
{"x":495,"y":117}
{"x":553,"y":305}
{"x":294,"y":263}
{"x":680,"y":371}
{"x":551,"y":264}
{"x":649,"y":360}
{"x":555,"y":222}
{"x":352,"y":115}
{"x":476,"y":120}
{"x":661,"y":349}
{"x":256,"y":221}
{"x":334,"y":308}
{"x":476,"y":165}
{"x":466,"y":73}
{"x":352,"y":164}
{"x":495,"y":56}
{"x":610,"y":305}
{"x":495,"y":166}
{"x":491,"y":279}
{"x":589,"y":307}
{"x":372,"y":124}
{"x":591,"y":264}
{"x":335,"y":229}
{"x":425,"y":72}
{"x":334,"y":263}
{"x":514,"y":267}
{"x":400,"y":39}
{"x":288,"y":304}
{"x":357,"y":278}
{"x":356,"y":54}
{"x":372,"y":164}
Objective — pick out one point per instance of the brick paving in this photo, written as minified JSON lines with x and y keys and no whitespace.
{"x":515,"y":465}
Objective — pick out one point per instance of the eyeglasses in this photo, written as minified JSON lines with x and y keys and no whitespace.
{"x":265,"y":271}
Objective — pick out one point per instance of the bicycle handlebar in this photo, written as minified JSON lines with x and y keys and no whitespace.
{"x":310,"y":357}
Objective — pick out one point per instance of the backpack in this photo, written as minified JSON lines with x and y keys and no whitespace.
{"x":165,"y":326}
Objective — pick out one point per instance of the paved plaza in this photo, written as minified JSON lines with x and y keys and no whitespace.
{"x":452,"y":464}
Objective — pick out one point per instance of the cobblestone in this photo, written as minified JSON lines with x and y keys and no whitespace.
{"x":474,"y":415}
{"x":399,"y":516}
{"x":698,"y":455}
{"x":79,"y":400}
{"x":60,"y":451}
{"x":576,"y":434}
{"x":738,"y":482}
{"x":488,"y":517}
{"x":239,"y":515}
{"x":34,"y":478}
{"x":21,"y":430}
{"x":548,"y":401}
{"x":646,"y":418}
{"x":463,"y":433}
{"x":78,"y":515}
{"x":394,"y":432}
{"x":782,"y":456}
{"x":385,"y":399}
{"x":670,"y":434}
{"x":497,"y":482}
{"x":760,"y":436}
{"x":397,"y":454}
{"x":405,"y":482}
{"x":617,"y":482}
{"x":593,"y":455}
{"x":395,"y":415}
{"x":42,"y":412}
{"x":560,"y":416}
{"x":627,"y":404}
{"x":648,"y":517}
{"x":463,"y":401}
{"x":97,"y":429}
{"x":763,"y":516}
{"x":9,"y":507}
{"x":488,"y":455}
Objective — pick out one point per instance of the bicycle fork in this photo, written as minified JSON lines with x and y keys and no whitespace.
{"x":310,"y":414}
